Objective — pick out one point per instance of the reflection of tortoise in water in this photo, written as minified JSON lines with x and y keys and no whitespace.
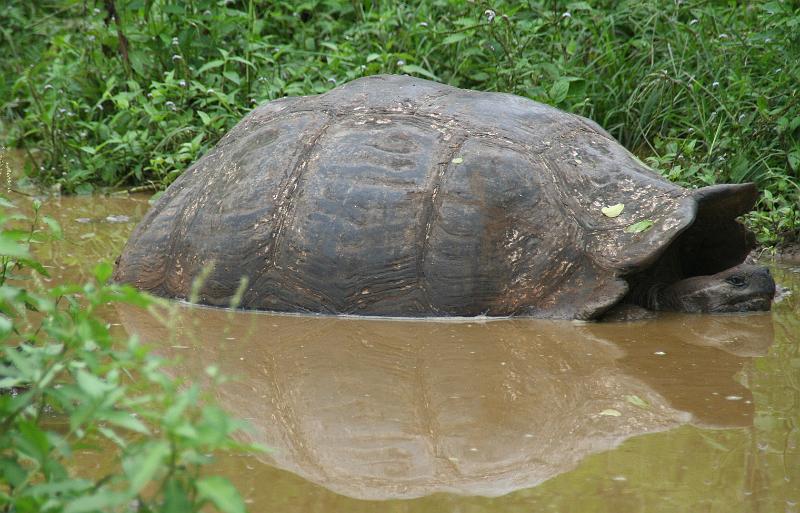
{"x":392,"y":195}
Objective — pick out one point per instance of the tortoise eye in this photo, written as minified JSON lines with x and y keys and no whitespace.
{"x":736,"y":281}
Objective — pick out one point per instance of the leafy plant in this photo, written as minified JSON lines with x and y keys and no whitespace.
{"x":67,"y":384}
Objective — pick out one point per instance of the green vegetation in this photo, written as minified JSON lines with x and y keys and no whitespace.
{"x":129,"y":92}
{"x":67,"y":386}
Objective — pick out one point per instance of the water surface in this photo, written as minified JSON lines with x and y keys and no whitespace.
{"x":679,"y":413}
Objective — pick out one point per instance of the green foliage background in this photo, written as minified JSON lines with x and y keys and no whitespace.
{"x":129,"y":92}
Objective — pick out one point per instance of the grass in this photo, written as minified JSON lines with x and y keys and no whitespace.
{"x":705,"y":92}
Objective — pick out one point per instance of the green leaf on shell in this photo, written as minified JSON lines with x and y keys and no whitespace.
{"x":639,"y":227}
{"x":613,"y":210}
{"x":611,"y":412}
{"x":637,"y":401}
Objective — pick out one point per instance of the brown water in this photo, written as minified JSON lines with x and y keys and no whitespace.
{"x":680,"y":413}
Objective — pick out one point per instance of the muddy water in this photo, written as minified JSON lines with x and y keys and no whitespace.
{"x":679,"y":413}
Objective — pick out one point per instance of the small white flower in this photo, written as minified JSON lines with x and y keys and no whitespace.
{"x":175,"y":41}
{"x":778,"y":70}
{"x":47,"y":86}
{"x":96,"y":11}
{"x":723,"y":36}
{"x":715,"y":84}
{"x":767,"y":40}
{"x":694,"y":22}
{"x":209,"y":91}
{"x":490,"y":14}
{"x":423,"y":23}
{"x":401,"y":62}
{"x":566,"y":15}
{"x":182,"y":83}
{"x":176,"y":57}
{"x":332,"y":80}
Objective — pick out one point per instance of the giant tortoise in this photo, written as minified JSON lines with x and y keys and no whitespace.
{"x":396,"y":196}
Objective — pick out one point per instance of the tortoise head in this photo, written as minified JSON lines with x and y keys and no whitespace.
{"x":743,"y":288}
{"x":703,"y":270}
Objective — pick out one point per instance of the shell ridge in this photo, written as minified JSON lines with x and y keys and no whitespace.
{"x":430,"y":208}
{"x":288,"y":190}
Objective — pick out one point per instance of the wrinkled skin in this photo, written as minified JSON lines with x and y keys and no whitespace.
{"x":743,"y":288}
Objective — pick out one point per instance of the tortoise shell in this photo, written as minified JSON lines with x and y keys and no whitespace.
{"x":396,"y":196}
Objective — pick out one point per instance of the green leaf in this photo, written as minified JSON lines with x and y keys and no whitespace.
{"x":454,"y":38}
{"x":613,"y":210}
{"x":59,"y":487}
{"x":33,"y":264}
{"x":243,"y":61}
{"x":176,"y":500}
{"x":10,"y":247}
{"x":794,"y":160}
{"x":112,"y":435}
{"x":33,"y":441}
{"x":611,"y":412}
{"x":141,"y":468}
{"x":232,"y":76}
{"x":103,"y":500}
{"x":91,"y":384}
{"x":205,"y":118}
{"x":221,"y":493}
{"x":373,"y":57}
{"x":418,"y":70}
{"x":5,"y":327}
{"x":55,"y":228}
{"x":11,"y":472}
{"x":127,"y":421}
{"x":559,"y":90}
{"x":103,"y":271}
{"x":637,"y":401}
{"x":210,"y":65}
{"x":639,"y":227}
